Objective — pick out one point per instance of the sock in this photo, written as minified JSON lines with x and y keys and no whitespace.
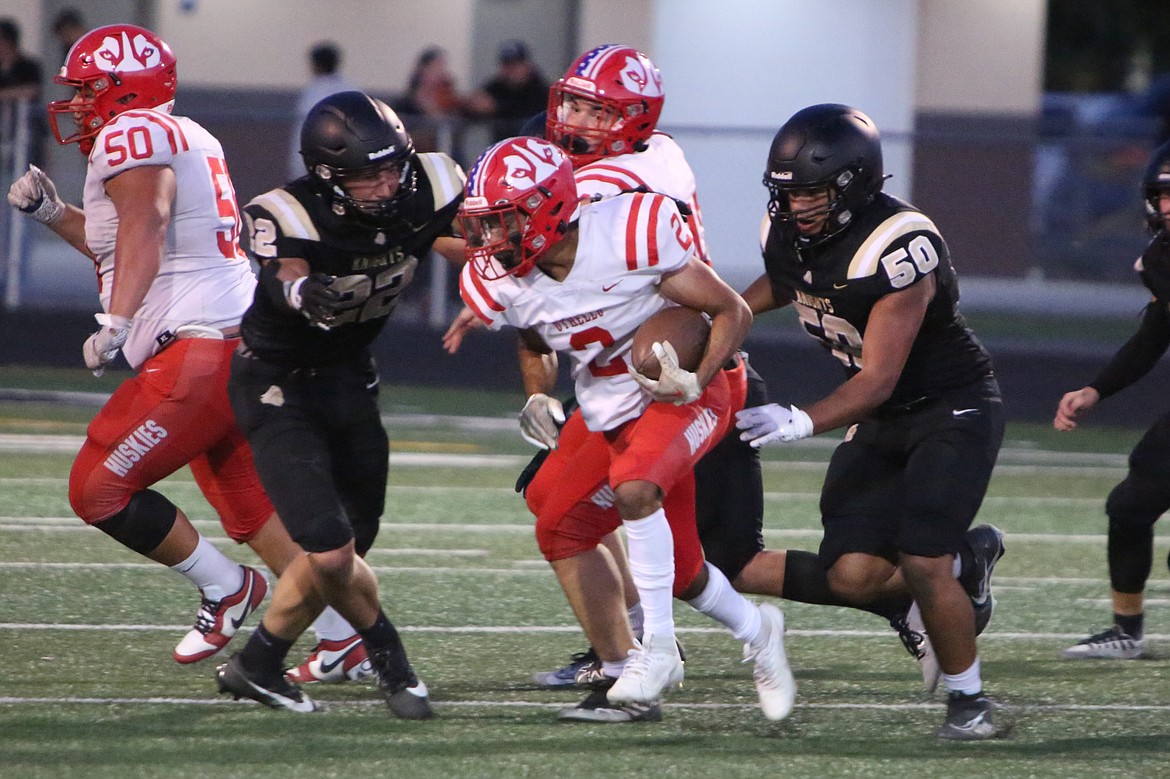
{"x":969,"y":682}
{"x":650,"y":547}
{"x":381,"y":634}
{"x":331,"y":626}
{"x":957,"y":565}
{"x":637,"y":618}
{"x":613,"y":670}
{"x":208,"y":569}
{"x":1134,"y":625}
{"x":264,"y":653}
{"x":726,"y":606}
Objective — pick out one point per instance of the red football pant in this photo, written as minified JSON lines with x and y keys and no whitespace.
{"x":175,"y":412}
{"x":571,"y":494}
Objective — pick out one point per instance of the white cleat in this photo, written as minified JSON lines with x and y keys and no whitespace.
{"x":774,"y":681}
{"x":924,"y":653}
{"x":652,"y":668}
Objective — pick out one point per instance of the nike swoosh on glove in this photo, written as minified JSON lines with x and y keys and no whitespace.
{"x":772,"y":422}
{"x":674,"y":385}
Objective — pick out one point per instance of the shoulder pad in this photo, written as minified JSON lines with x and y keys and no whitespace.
{"x":286,"y":211}
{"x":894,"y":230}
{"x":137,"y":138}
{"x":446,"y":177}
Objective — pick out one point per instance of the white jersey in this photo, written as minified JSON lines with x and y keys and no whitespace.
{"x":625,"y":245}
{"x":661,"y":167}
{"x":204,"y":278}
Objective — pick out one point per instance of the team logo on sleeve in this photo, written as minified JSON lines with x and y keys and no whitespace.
{"x":122,"y":54}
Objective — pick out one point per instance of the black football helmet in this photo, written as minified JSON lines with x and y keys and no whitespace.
{"x":825,"y":146}
{"x":352,"y":134}
{"x":1154,"y":183}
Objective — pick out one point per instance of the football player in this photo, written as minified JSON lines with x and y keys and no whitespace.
{"x":160,"y":222}
{"x":871,"y":279}
{"x":542,"y":261}
{"x":1135,"y":504}
{"x":604,"y":113}
{"x":336,"y":248}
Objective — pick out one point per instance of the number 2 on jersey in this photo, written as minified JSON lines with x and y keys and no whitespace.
{"x":598,"y":335}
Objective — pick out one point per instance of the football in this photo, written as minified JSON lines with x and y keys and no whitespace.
{"x":686,"y":329}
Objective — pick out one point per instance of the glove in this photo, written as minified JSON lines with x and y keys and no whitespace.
{"x":34,"y":194}
{"x":102,"y":347}
{"x":321,"y":298}
{"x":674,"y":385}
{"x":773,"y":422}
{"x":541,"y":420}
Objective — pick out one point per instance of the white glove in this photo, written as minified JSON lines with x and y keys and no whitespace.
{"x":765,"y":424}
{"x":674,"y":384}
{"x":102,"y":347}
{"x":34,"y":194}
{"x":541,"y":420}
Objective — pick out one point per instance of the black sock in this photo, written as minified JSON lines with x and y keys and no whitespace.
{"x":264,"y":653}
{"x":1132,"y":625}
{"x":381,"y":634}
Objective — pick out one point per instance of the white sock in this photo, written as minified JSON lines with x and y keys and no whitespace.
{"x":213,"y":573}
{"x":969,"y":682}
{"x":651,"y":552}
{"x":957,"y":566}
{"x":613,"y":670}
{"x":722,"y":603}
{"x":331,"y":626}
{"x":637,"y":618}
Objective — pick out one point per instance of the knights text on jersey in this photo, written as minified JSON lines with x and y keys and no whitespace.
{"x":835,"y":284}
{"x":660,"y":167}
{"x":296,"y":221}
{"x":625,"y":245}
{"x":204,"y":278}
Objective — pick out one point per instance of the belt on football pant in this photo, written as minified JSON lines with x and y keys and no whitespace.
{"x":168,"y":337}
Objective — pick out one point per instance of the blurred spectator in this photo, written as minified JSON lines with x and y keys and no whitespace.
{"x":325,"y":80}
{"x":430,"y":99}
{"x":68,"y":26}
{"x":513,"y":94}
{"x":20,"y":79}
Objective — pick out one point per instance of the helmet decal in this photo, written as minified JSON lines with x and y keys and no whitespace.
{"x":532,"y":164}
{"x":639,"y":80}
{"x":126,"y":55}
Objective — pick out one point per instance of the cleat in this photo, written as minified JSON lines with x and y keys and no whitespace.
{"x":653,"y":667}
{"x":275,"y":693}
{"x":598,"y":708}
{"x":774,"y":681}
{"x":986,"y":542}
{"x":566,"y":676}
{"x":971,"y":718}
{"x":592,"y":676}
{"x":912,"y":632}
{"x":404,"y":693}
{"x":983,"y":614}
{"x":1111,"y":644}
{"x":334,"y":662}
{"x":218,"y":620}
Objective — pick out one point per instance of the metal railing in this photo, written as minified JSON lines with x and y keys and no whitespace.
{"x":15,"y":139}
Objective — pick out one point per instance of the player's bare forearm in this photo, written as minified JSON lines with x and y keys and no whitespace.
{"x":538,"y":364}
{"x":71,"y":227}
{"x":697,"y":286}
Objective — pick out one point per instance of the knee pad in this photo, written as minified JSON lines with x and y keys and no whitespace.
{"x":1137,"y":500}
{"x":143,"y":524}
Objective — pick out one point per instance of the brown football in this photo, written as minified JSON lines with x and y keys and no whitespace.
{"x":685,"y":328}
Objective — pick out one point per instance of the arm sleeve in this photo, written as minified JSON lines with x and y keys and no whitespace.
{"x":1139,"y":354}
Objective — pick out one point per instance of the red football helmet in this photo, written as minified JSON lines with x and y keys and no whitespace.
{"x":114,"y":69}
{"x":627,"y":87}
{"x":521,"y":195}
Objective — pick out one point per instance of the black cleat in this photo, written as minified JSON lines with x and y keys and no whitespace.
{"x":598,"y":708}
{"x":276,"y":692}
{"x":404,"y":693}
{"x":986,"y":542}
{"x":971,"y":718}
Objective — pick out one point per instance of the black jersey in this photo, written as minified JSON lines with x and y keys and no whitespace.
{"x":296,"y":221}
{"x":835,"y":284}
{"x":1154,"y":267}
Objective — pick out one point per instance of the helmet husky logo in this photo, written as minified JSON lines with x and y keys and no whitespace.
{"x":126,"y":54}
{"x":639,"y":80}
{"x":532,"y":164}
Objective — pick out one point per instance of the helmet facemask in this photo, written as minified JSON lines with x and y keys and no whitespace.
{"x":833,"y":207}
{"x":588,"y":128}
{"x":340,"y":184}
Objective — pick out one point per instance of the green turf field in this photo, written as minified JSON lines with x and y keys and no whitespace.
{"x":89,"y":687}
